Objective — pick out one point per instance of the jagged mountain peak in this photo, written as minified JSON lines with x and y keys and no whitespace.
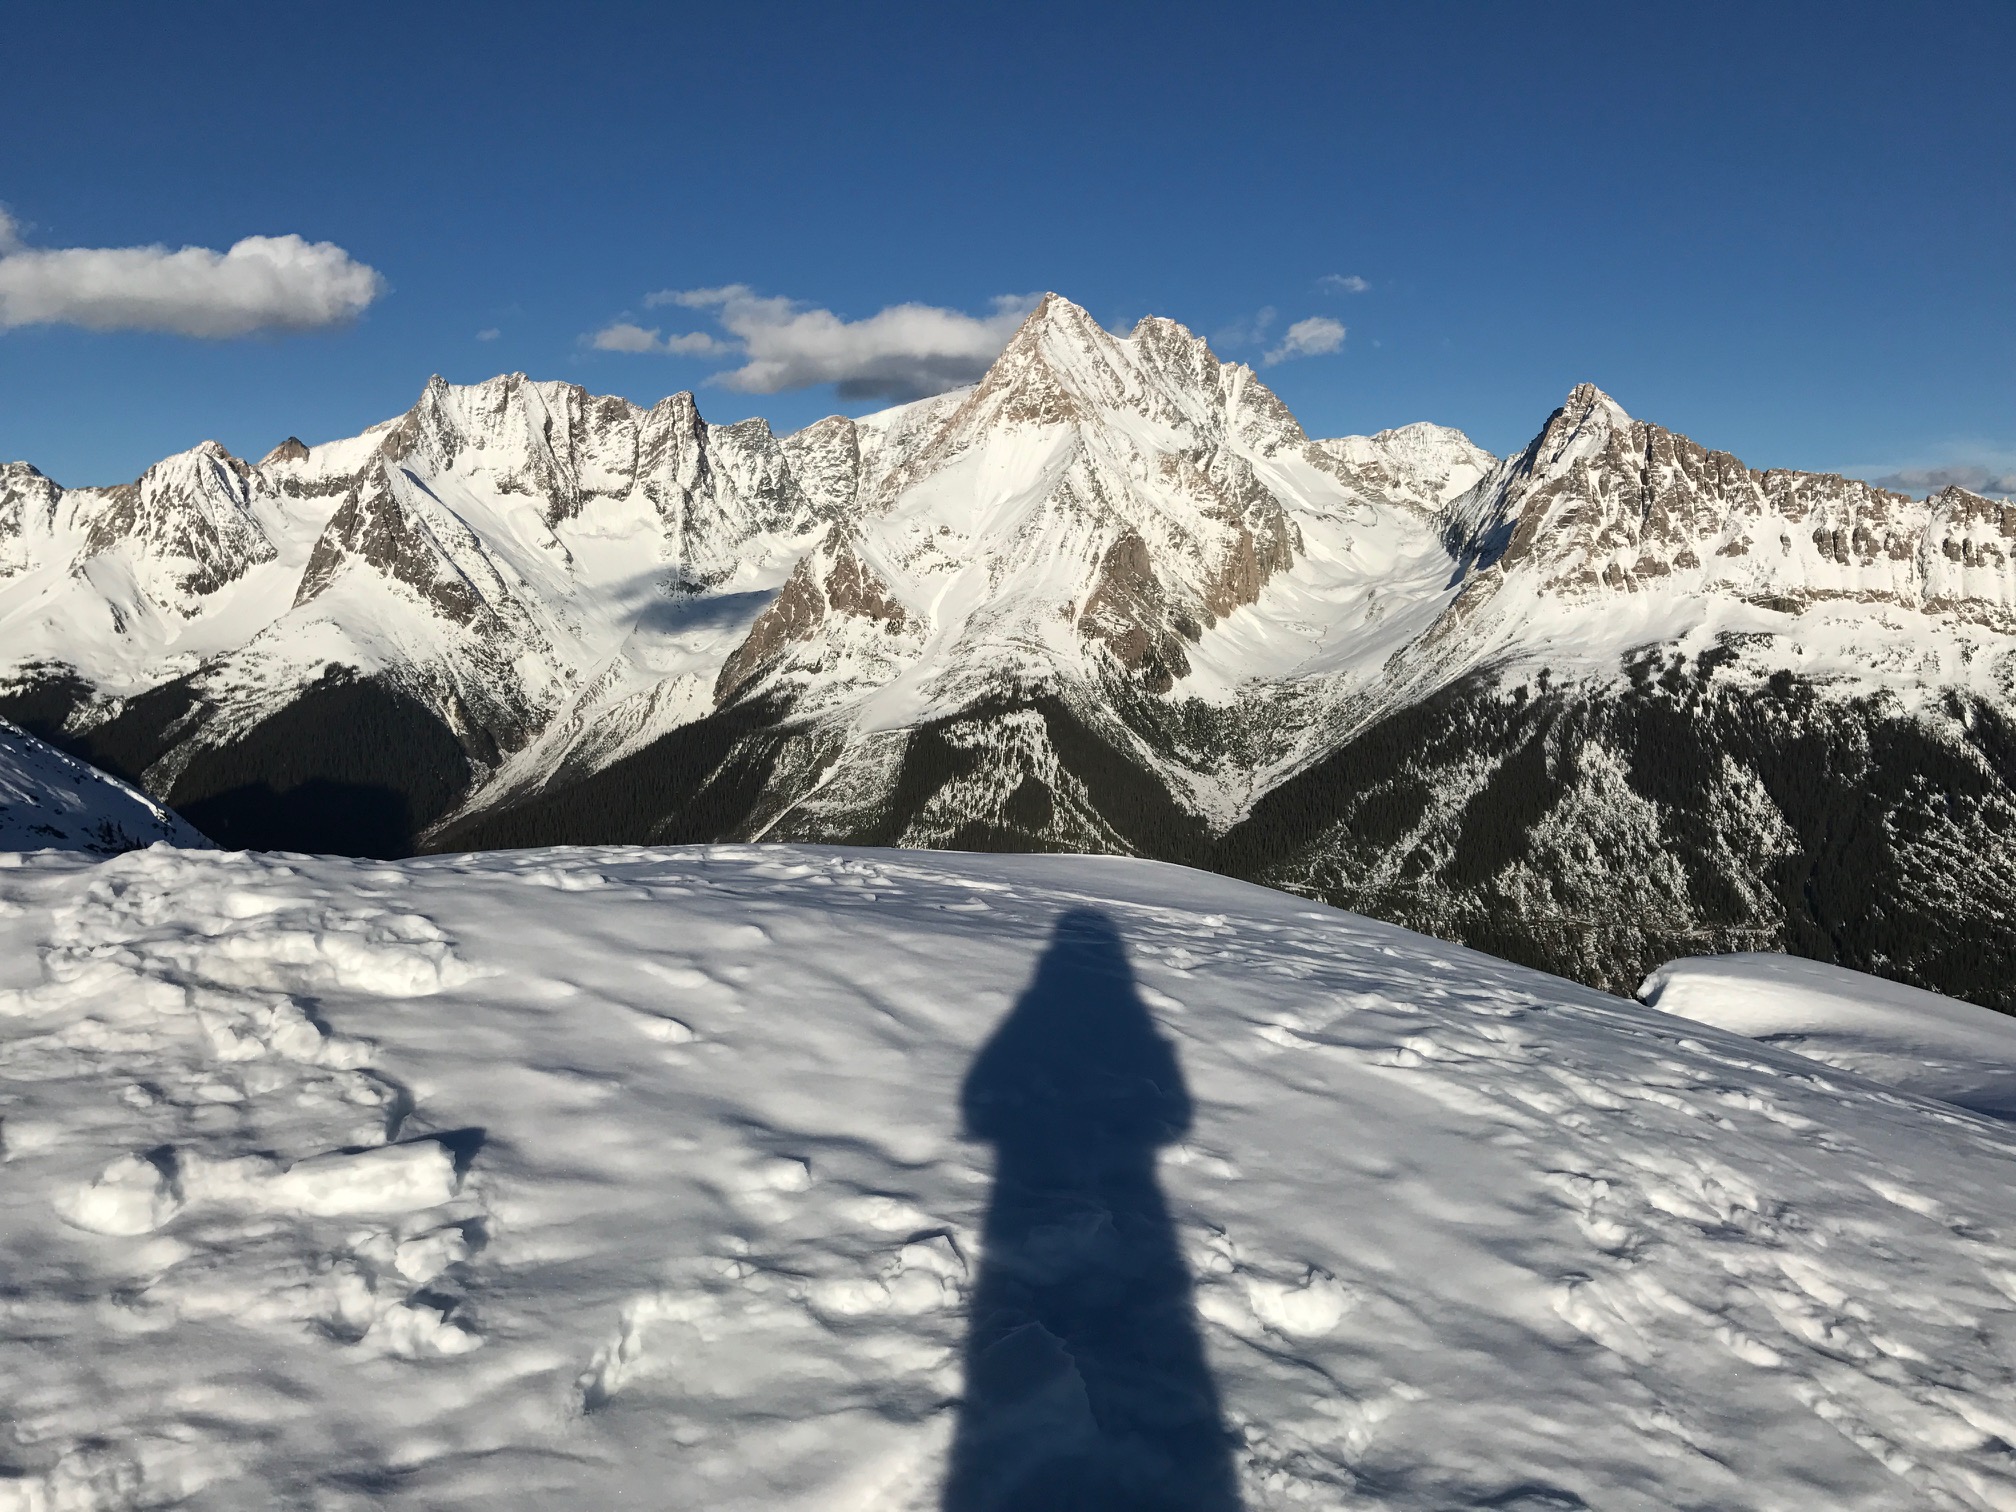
{"x":1057,"y":367}
{"x":293,"y":449}
{"x":1581,"y":427}
{"x":1602,"y":504}
{"x":1062,"y":368}
{"x":1095,"y":500}
{"x":1586,"y":399}
{"x":204,"y":460}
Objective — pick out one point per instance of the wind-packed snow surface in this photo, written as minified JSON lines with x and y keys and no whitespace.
{"x":836,"y":1179}
{"x":50,"y":801}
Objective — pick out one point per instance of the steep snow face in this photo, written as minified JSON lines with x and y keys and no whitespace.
{"x":50,"y":801}
{"x":564,"y":1178}
{"x":1601,"y":504}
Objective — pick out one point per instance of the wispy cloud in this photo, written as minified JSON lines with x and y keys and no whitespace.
{"x":1997,"y":478}
{"x":488,"y":333}
{"x":262,"y":283}
{"x":906,"y":351}
{"x":1245,"y":333}
{"x":1343,"y":283}
{"x":623,"y":336}
{"x":1315,"y":337}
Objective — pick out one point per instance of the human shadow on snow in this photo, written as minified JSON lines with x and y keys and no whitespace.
{"x":1086,"y":1384}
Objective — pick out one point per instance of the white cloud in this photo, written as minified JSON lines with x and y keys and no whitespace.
{"x":624,"y":336}
{"x":906,"y":351}
{"x":489,"y":333}
{"x":1343,"y":283}
{"x":1314,"y":337}
{"x":263,"y":283}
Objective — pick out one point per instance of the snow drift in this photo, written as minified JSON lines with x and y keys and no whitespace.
{"x":1889,"y":1032}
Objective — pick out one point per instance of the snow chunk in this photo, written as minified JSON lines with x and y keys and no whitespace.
{"x":396,"y":1179}
{"x":133,"y":1195}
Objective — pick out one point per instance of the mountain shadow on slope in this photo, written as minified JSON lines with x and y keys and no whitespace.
{"x":1086,"y":1385}
{"x":702,"y":781}
{"x":352,"y":767}
{"x":1598,"y":834}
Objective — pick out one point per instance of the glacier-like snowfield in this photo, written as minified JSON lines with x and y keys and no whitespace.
{"x":762,"y":1177}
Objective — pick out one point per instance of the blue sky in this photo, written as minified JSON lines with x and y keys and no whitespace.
{"x":1788,"y":230}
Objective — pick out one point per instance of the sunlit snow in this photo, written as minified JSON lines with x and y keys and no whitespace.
{"x":753,"y":1177}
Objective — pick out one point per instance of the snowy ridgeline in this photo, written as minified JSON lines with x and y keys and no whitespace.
{"x":50,"y":801}
{"x":747,"y":1178}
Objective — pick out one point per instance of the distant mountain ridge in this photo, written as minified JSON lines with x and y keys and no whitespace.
{"x":1610,"y":700}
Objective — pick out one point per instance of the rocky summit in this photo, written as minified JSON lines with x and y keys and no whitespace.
{"x":1615,"y":699}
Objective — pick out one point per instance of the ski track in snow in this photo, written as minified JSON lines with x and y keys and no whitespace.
{"x":592,"y":1176}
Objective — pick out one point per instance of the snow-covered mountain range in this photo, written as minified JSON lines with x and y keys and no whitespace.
{"x":1612,"y":700}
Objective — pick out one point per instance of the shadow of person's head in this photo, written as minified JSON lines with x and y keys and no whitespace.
{"x":1078,"y":1064}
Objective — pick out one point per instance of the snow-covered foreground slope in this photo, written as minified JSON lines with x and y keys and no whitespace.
{"x":50,"y":801}
{"x":1899,"y":1035}
{"x":799,"y":1178}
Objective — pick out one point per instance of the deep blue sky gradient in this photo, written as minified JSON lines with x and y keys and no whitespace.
{"x":1786,"y":229}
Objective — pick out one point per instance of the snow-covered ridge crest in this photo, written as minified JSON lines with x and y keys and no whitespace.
{"x":1423,"y":465}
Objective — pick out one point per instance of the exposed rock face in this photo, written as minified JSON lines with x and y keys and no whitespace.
{"x":832,"y":583}
{"x":386,"y":525}
{"x":191,"y":517}
{"x":293,"y":449}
